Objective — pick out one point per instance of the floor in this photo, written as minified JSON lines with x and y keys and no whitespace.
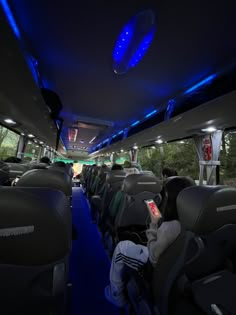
{"x":89,"y":264}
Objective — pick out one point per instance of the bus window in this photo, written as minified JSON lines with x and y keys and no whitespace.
{"x":8,"y":143}
{"x":228,"y":159}
{"x":31,"y":151}
{"x":180,"y":156}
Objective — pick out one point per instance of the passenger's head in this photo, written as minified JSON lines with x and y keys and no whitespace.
{"x":168,"y":172}
{"x":117,"y":167}
{"x":72,"y":164}
{"x":12,"y":159}
{"x":46,"y":160}
{"x":127,"y":164}
{"x":59,"y":164}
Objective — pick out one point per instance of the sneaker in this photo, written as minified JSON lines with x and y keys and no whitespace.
{"x":118,"y":301}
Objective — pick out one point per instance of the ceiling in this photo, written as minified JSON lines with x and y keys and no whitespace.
{"x":73,"y":43}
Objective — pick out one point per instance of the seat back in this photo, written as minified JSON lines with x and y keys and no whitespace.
{"x":35,"y":240}
{"x":114,"y":181}
{"x":4,"y":173}
{"x":49,"y":178}
{"x":208,"y":218}
{"x":136,"y":189}
{"x":17,"y":169}
{"x":172,"y":186}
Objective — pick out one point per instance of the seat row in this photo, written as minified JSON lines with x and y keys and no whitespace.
{"x":35,"y":241}
{"x":201,"y":261}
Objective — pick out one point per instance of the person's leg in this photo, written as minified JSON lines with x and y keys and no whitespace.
{"x":128,"y":254}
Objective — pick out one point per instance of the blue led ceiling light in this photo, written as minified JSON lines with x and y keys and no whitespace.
{"x":151,"y":114}
{"x":10,"y":18}
{"x":133,"y":41}
{"x":135,"y":123}
{"x":200,"y":84}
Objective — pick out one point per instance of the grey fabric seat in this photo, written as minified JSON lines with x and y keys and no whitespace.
{"x":136,"y":189}
{"x":207,"y":241}
{"x":4,"y":173}
{"x":47,"y":178}
{"x":35,"y":241}
{"x":114,"y":182}
{"x":208,"y":218}
{"x":17,"y":169}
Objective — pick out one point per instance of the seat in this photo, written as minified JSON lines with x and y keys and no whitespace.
{"x":172,"y":186}
{"x":130,"y":215}
{"x":4,"y":173}
{"x":17,"y":169}
{"x":114,"y":181}
{"x":35,"y":241}
{"x":49,"y":178}
{"x":207,"y":242}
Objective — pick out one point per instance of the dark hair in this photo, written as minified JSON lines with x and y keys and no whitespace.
{"x":168,"y":172}
{"x":12,"y":159}
{"x":45,"y":160}
{"x":59,"y":164}
{"x":72,"y":164}
{"x":117,"y":167}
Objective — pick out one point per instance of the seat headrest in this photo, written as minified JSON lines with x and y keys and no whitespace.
{"x":203,"y":209}
{"x":173,"y":186}
{"x":47,"y":178}
{"x":33,"y":226}
{"x":38,"y":166}
{"x":115,"y":176}
{"x":137,"y":183}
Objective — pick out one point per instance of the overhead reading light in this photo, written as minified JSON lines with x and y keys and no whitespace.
{"x":92,"y":140}
{"x":133,"y":41}
{"x":200,"y":84}
{"x":121,"y":150}
{"x":81,"y":141}
{"x":209,"y":129}
{"x":29,"y":142}
{"x":151,"y":114}
{"x":30,"y":135}
{"x":22,"y":134}
{"x":159,"y":141}
{"x":153,"y":147}
{"x":9,"y":121}
{"x":135,"y":147}
{"x":41,"y":142}
{"x":182,"y":142}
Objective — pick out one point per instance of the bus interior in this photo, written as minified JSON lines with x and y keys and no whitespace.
{"x":107,"y":108}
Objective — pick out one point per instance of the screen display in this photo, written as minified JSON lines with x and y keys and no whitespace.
{"x":153,"y":209}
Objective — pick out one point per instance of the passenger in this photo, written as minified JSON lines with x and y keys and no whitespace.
{"x":129,"y":169}
{"x":117,"y":167}
{"x":59,"y":164}
{"x":13,"y":159}
{"x":168,"y":172}
{"x":129,"y":254}
{"x":45,"y":160}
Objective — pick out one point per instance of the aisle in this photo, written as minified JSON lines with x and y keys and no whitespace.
{"x":89,"y":264}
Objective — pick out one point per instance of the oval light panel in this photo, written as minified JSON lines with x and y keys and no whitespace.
{"x":134,"y":41}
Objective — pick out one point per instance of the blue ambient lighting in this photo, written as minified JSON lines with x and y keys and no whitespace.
{"x":122,"y":43}
{"x":135,"y":123}
{"x":141,"y":50}
{"x":151,"y":114}
{"x":201,"y":83}
{"x":133,"y":41}
{"x":10,"y":18}
{"x":120,"y":132}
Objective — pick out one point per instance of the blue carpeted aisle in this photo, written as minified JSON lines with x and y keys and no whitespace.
{"x":89,"y":264}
